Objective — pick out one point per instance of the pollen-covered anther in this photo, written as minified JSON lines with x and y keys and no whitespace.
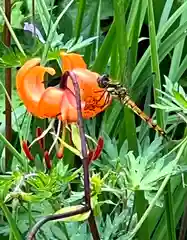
{"x":39,"y":132}
{"x":60,"y":153}
{"x":95,"y":154}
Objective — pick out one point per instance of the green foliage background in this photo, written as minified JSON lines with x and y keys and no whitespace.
{"x":138,"y":183}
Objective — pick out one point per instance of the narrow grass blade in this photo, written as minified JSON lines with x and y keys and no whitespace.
{"x":79,"y":19}
{"x":11,"y":221}
{"x":169,"y":206}
{"x":164,"y":49}
{"x":155,"y":61}
{"x":145,"y":58}
{"x":105,"y":51}
{"x":177,"y":53}
{"x":141,"y":205}
{"x":165,"y":13}
{"x":98,"y":27}
{"x":88,"y":50}
{"x":121,"y":36}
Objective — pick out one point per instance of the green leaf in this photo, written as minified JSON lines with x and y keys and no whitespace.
{"x":17,"y":17}
{"x":82,"y":44}
{"x":180,"y":98}
{"x":76,"y":136}
{"x":76,"y":218}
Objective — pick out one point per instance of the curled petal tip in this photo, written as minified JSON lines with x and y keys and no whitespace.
{"x":71,"y":61}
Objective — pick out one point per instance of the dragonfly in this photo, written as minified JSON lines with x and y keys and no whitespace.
{"x":116,"y":90}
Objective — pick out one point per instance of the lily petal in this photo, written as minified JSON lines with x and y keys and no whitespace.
{"x":69,"y":107}
{"x":50,"y":103}
{"x":93,"y":96}
{"x":29,"y":83}
{"x":71,"y":61}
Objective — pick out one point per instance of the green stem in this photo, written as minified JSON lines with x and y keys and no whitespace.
{"x":169,"y":207}
{"x":98,"y":27}
{"x":13,"y":110}
{"x":159,"y":114}
{"x":15,"y":204}
{"x":12,"y":149}
{"x":12,"y":32}
{"x":141,"y":206}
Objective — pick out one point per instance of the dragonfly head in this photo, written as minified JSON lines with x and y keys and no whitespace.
{"x":103,"y":81}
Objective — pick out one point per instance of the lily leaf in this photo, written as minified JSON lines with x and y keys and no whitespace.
{"x":76,"y":218}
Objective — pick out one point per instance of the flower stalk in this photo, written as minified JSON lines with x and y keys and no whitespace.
{"x":53,"y":217}
{"x":85,"y":160}
{"x":91,"y":219}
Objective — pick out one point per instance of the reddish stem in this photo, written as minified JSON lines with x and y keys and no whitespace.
{"x":48,"y":218}
{"x":91,"y":219}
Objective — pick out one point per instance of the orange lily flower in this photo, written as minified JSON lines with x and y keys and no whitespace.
{"x":55,"y":102}
{"x":60,"y":102}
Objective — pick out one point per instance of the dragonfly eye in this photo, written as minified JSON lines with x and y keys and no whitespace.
{"x":103,"y":81}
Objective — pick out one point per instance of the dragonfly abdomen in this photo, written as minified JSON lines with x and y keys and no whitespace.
{"x":128,"y":102}
{"x":118,"y":91}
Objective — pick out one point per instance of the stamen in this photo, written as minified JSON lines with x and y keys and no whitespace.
{"x":44,"y":132}
{"x":60,"y":152}
{"x":55,"y":139}
{"x":39,"y":132}
{"x":47,"y":159}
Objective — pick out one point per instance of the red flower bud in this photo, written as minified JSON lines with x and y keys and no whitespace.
{"x":27,"y":151}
